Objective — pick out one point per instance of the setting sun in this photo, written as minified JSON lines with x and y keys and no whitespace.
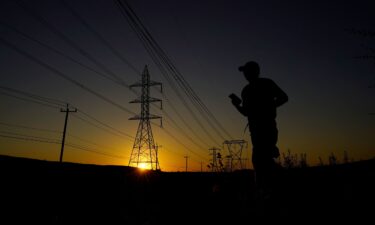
{"x":143,"y":166}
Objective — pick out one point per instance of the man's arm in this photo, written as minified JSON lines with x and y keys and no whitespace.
{"x":236,"y":101}
{"x":240,"y":109}
{"x":280,"y":96}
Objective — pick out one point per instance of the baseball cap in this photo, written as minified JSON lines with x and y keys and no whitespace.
{"x":251,"y":65}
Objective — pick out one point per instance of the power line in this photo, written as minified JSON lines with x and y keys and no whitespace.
{"x":184,"y":103}
{"x":177,"y":75}
{"x":59,"y":73}
{"x":31,"y":128}
{"x":185,"y":123}
{"x":61,"y":35}
{"x":100,"y":37}
{"x":177,"y":128}
{"x":178,"y":141}
{"x":90,"y":142}
{"x":103,"y":75}
{"x":117,"y":81}
{"x":23,"y":137}
{"x":121,"y":133}
{"x":58,"y":52}
{"x":171,"y":83}
{"x":177,"y":92}
{"x":41,"y":139}
{"x":84,"y":148}
{"x":82,"y":112}
{"x":66,"y":77}
{"x":28,"y":139}
{"x":106,"y":125}
{"x":54,"y":131}
{"x":37,"y":97}
{"x":29,"y":100}
{"x":160,"y":58}
{"x":208,"y":111}
{"x":101,"y":128}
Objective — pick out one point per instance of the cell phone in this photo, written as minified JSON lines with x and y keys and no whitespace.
{"x":235,"y":98}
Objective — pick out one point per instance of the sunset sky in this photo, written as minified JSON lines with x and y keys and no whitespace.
{"x":307,"y":47}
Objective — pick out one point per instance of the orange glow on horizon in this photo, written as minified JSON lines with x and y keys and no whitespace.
{"x":143,"y":166}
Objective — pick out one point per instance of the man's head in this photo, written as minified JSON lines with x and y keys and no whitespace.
{"x":251,"y":70}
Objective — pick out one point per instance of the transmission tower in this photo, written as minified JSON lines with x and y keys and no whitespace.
{"x":235,"y":147}
{"x":216,"y":163}
{"x":145,"y":153}
{"x":228,"y":162}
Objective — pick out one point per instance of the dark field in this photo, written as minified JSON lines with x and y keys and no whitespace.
{"x":41,"y":192}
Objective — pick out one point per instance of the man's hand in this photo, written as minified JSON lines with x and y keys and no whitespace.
{"x":236,"y":101}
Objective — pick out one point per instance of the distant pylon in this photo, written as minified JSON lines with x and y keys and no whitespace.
{"x":144,"y":153}
{"x":234,"y":158}
{"x":216,"y":163}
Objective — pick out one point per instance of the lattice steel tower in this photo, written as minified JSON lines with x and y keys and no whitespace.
{"x":234,"y":158}
{"x":145,"y":153}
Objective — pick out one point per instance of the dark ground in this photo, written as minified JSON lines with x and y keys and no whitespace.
{"x":41,"y":192}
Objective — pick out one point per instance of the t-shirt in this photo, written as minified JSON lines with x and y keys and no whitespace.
{"x":258,"y":99}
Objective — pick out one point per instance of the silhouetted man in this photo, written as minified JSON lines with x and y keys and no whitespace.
{"x":260,"y":98}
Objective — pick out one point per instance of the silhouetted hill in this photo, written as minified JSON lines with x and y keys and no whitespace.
{"x":42,"y":192}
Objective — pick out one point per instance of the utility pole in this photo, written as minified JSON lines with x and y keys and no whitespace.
{"x":186,"y":162}
{"x":144,"y":151}
{"x":66,"y":111}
